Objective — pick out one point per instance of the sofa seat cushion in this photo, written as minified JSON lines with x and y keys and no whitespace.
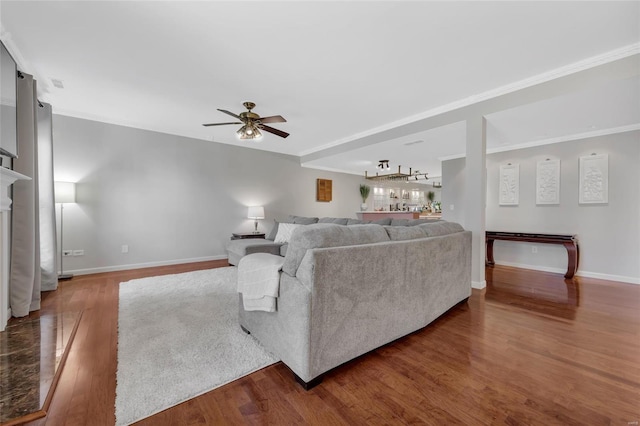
{"x":328,"y":235}
{"x":237,"y":249}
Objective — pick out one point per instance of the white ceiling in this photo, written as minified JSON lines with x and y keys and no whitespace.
{"x":343,"y":74}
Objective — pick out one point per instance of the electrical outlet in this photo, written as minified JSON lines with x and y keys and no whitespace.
{"x":534,"y":249}
{"x":451,"y":206}
{"x":67,"y":253}
{"x":78,"y":252}
{"x":125,"y":248}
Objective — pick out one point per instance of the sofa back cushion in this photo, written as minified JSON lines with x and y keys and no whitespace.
{"x":336,"y":220}
{"x":284,"y":232}
{"x":401,"y":233}
{"x":301,"y":220}
{"x":298,"y":220}
{"x":356,"y":221}
{"x":441,"y":227}
{"x":274,"y":231}
{"x":383,"y":221}
{"x":328,"y":235}
{"x":411,"y":222}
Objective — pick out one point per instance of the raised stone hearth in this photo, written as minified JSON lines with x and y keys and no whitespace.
{"x":32,"y":354}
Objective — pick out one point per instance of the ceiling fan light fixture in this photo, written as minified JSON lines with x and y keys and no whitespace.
{"x":253,"y":123}
{"x":249,"y":131}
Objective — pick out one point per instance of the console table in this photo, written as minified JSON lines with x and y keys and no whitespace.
{"x":570,"y":242}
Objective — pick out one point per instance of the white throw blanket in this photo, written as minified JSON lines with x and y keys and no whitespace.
{"x":259,"y":281}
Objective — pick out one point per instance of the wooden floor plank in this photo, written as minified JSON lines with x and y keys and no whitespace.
{"x":532,"y":348}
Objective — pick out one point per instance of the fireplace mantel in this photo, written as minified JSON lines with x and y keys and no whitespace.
{"x":7,"y":178}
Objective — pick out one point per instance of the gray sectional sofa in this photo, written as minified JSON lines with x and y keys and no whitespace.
{"x":237,"y":249}
{"x":346,"y":290}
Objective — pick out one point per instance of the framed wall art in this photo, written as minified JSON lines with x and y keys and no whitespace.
{"x":324,"y":190}
{"x":509,"y":185}
{"x":548,"y":182}
{"x":594,"y":179}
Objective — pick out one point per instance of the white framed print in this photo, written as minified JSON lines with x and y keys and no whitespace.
{"x":594,"y":179}
{"x":548,"y":182}
{"x":509,"y":185}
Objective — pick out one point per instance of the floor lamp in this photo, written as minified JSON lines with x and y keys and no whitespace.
{"x":65,"y":193}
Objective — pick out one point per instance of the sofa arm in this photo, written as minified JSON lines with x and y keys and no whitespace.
{"x":237,"y":249}
{"x":267,"y":248}
{"x":306,"y":270}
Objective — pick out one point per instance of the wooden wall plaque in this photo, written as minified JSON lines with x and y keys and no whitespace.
{"x":323,"y":190}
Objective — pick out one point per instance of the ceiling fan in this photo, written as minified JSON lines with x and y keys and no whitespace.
{"x":253,"y":123}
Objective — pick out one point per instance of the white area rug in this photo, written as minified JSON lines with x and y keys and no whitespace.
{"x":179,"y":337}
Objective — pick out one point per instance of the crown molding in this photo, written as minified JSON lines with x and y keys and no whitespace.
{"x":43,"y":83}
{"x":551,"y":141}
{"x":585,"y":64}
{"x":331,"y":169}
{"x":568,"y":138}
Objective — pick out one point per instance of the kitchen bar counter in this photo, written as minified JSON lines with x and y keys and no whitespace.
{"x":384,"y":215}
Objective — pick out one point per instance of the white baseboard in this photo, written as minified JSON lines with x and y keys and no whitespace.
{"x":479,"y":284}
{"x":142,"y":265}
{"x":609,"y":277}
{"x":474,"y":284}
{"x":579,"y":273}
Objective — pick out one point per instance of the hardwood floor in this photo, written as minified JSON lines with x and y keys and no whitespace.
{"x":530,"y":349}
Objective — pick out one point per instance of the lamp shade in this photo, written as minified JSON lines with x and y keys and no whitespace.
{"x":256,"y":212}
{"x":65,"y":192}
{"x":249,"y":131}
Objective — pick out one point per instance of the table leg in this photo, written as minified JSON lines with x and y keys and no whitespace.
{"x":490,"y":260}
{"x":572,"y":254}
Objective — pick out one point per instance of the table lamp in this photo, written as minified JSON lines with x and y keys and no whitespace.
{"x":255,"y":213}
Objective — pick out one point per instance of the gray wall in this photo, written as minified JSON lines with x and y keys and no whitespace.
{"x":171,"y":198}
{"x":453,"y":190}
{"x":608,"y":234}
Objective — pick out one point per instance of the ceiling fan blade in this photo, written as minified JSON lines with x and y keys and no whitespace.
{"x":220,"y":124}
{"x":230,"y":113}
{"x":273,"y":119}
{"x":274,"y":131}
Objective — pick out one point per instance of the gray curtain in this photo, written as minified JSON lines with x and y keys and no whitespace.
{"x":48,"y":252}
{"x":24,"y":281}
